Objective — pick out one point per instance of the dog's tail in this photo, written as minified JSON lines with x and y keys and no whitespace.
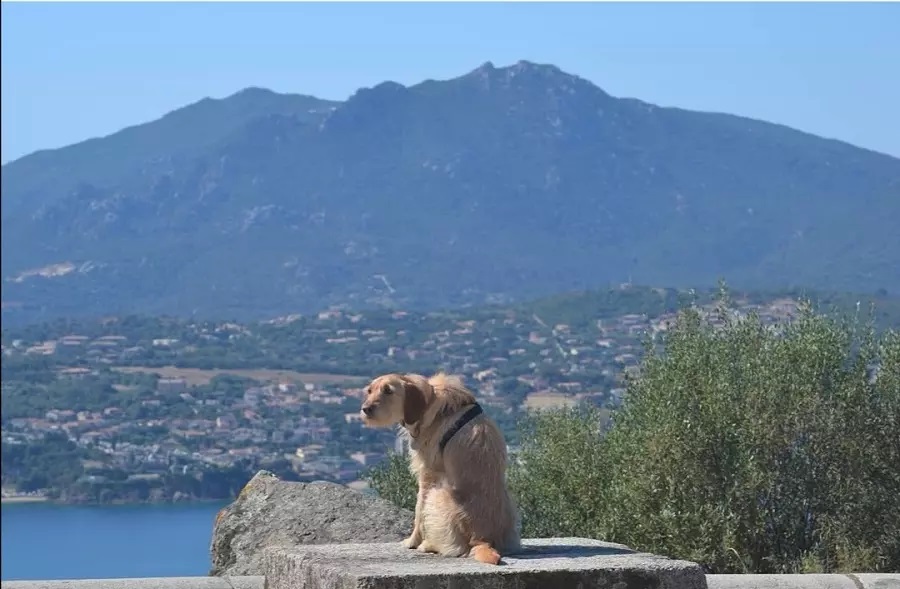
{"x":484,"y":552}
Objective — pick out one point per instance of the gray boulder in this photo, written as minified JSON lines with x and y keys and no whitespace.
{"x":271,"y":512}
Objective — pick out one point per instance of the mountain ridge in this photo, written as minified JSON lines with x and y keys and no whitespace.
{"x":487,"y":66}
{"x":498,"y":184}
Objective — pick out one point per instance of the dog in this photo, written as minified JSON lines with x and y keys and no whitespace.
{"x":458,"y":456}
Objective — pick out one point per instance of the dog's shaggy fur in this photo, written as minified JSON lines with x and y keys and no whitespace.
{"x":463,"y":505}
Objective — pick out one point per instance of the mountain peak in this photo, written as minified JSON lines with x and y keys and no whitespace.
{"x":529,"y":72}
{"x":486,"y":67}
{"x":520,"y":67}
{"x":378,"y":96}
{"x":525,"y":65}
{"x":252,"y":92}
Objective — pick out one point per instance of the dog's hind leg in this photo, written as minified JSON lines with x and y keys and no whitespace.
{"x":449,"y":531}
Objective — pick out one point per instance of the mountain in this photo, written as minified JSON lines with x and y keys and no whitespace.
{"x":500,"y":184}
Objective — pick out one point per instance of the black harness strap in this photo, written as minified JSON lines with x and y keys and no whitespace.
{"x":466,"y":417}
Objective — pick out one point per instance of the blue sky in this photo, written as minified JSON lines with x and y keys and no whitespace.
{"x":74,"y":71}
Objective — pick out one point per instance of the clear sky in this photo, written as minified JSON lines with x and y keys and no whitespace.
{"x":74,"y":71}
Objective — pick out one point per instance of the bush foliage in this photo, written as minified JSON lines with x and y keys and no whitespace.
{"x":746,"y":447}
{"x":393,"y":481}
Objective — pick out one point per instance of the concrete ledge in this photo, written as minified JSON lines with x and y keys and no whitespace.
{"x":254,"y":582}
{"x":552,"y":563}
{"x":810,"y":581}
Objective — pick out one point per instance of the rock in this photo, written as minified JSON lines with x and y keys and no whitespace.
{"x":271,"y":512}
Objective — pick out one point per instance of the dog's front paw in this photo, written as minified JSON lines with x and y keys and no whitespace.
{"x":412,"y":542}
{"x":426,"y":547}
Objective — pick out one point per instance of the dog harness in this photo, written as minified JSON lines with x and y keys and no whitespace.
{"x":473,"y":412}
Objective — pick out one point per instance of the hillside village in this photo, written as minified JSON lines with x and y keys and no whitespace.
{"x":113,"y":388}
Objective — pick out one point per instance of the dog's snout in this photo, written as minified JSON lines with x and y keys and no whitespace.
{"x":368,"y":409}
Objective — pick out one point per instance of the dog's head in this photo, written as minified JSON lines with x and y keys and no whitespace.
{"x":396,"y":398}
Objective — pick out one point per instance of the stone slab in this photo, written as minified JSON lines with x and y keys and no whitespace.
{"x":242,"y":582}
{"x":807,"y":581}
{"x":552,"y":563}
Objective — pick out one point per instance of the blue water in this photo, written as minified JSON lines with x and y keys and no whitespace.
{"x":44,"y":541}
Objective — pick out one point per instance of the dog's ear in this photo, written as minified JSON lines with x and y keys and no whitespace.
{"x":414,"y":402}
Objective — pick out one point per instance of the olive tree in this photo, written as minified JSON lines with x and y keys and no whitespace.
{"x":745,"y":446}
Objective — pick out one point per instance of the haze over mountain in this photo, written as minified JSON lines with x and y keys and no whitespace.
{"x":503,"y":183}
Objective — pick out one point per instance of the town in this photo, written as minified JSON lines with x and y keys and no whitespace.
{"x":141,"y":403}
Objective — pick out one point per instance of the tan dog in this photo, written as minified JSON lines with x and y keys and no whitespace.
{"x":458,"y":455}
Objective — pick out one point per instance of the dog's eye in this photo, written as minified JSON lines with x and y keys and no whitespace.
{"x":386,"y":390}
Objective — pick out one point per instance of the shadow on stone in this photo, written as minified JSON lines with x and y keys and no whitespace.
{"x":566,"y":551}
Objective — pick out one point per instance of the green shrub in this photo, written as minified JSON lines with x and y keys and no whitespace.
{"x":393,"y":481}
{"x":555,"y":445}
{"x":748,"y":448}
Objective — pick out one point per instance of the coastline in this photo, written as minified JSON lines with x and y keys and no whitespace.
{"x":26,"y":499}
{"x":359,"y":485}
{"x":23,"y":499}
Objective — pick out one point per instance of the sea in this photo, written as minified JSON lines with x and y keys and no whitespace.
{"x":47,"y":541}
